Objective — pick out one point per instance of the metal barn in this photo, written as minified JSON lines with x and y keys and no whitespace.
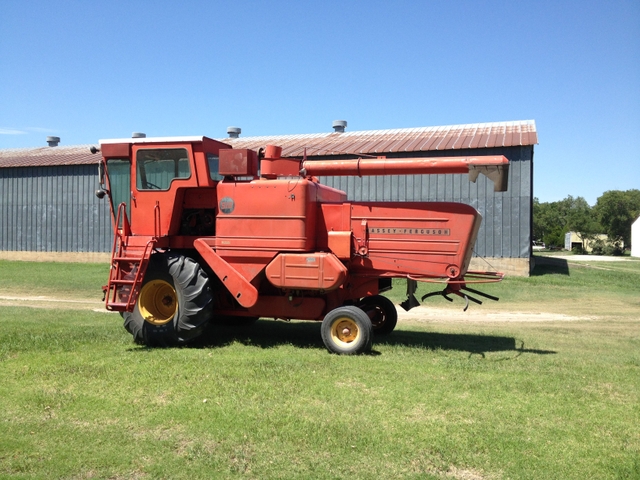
{"x":48,"y":209}
{"x":47,"y":205}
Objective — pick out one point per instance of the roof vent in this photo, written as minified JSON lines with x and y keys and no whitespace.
{"x":339,"y":126}
{"x":138,"y":135}
{"x":234,"y":132}
{"x":53,"y":141}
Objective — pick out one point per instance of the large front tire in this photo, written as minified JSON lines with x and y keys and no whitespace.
{"x":174,"y":304}
{"x":382,"y":312}
{"x":347,"y":331}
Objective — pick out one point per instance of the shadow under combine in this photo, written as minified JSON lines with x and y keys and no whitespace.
{"x":473,"y":344}
{"x":270,"y":334}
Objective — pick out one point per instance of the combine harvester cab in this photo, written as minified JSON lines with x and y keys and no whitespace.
{"x":206,"y":233}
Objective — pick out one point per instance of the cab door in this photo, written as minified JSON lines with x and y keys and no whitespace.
{"x":119,"y":178}
{"x":159,"y":176}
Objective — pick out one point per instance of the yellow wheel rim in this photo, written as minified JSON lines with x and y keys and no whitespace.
{"x":344,"y":330}
{"x":158,"y":302}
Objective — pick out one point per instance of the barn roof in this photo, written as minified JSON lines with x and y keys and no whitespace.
{"x":421,"y":139}
{"x":47,"y":156}
{"x":370,"y":142}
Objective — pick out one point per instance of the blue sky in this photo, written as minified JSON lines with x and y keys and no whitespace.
{"x":86,"y":70}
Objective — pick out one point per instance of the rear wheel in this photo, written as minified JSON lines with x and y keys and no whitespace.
{"x":174,"y":304}
{"x":382,"y":312}
{"x":347,"y":331}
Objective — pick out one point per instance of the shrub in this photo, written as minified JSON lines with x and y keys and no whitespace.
{"x":599,"y":247}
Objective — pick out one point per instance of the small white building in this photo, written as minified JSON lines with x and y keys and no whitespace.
{"x":574,"y":239}
{"x":635,"y":238}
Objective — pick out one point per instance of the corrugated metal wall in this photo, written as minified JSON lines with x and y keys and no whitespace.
{"x":53,"y":209}
{"x":506,"y":224}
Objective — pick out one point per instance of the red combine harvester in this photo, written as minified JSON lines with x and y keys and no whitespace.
{"x":205,"y":232}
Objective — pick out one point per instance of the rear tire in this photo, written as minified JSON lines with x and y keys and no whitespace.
{"x":382,"y":312}
{"x":174,"y":304}
{"x":347,"y":331}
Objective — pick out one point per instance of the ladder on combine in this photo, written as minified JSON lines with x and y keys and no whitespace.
{"x":129,"y":260}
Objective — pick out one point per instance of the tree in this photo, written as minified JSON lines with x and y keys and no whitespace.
{"x":617,"y":210}
{"x":552,"y":220}
{"x":581,"y":219}
{"x":548,"y":222}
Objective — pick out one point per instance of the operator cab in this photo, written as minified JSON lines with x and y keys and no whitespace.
{"x":174,"y":178}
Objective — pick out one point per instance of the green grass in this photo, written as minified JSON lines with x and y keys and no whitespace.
{"x":80,"y":280}
{"x":80,"y":400}
{"x":516,"y":400}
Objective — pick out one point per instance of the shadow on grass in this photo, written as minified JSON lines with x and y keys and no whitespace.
{"x":548,"y":265}
{"x":270,"y":333}
{"x":474,"y":344}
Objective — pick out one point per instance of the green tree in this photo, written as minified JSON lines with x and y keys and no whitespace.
{"x":617,"y":210}
{"x":548,"y":222}
{"x":552,"y":220}
{"x":581,"y":219}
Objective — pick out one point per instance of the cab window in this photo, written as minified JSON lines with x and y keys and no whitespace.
{"x":119,"y":171}
{"x":157,"y":168}
{"x":214,"y":166}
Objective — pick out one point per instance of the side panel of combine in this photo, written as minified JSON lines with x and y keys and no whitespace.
{"x":257,"y":220}
{"x":421,"y":239}
{"x":272,"y":216}
{"x":309,"y":271}
{"x":432,"y":240}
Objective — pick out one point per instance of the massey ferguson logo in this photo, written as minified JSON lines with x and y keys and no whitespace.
{"x":227,"y":205}
{"x":410,"y":231}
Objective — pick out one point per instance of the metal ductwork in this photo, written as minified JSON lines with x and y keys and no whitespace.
{"x":339,"y":126}
{"x":234,"y":132}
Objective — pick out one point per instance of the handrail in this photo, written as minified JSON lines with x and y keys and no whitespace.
{"x":121,"y":216}
{"x":139,"y":274}
{"x":117,"y":286}
{"x":116,"y":249}
{"x":156,"y":220}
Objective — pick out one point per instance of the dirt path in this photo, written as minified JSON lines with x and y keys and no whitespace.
{"x":419,"y":314}
{"x":591,"y":258}
{"x":424,"y":314}
{"x":40,"y":301}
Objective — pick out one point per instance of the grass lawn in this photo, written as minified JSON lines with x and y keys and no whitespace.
{"x":469,"y":401}
{"x":60,"y":280}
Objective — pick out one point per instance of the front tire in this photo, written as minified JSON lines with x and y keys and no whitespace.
{"x":175,"y":302}
{"x":347,"y":331}
{"x":382,"y":312}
